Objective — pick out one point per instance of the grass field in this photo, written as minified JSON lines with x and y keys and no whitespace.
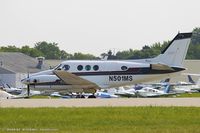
{"x":189,"y":95}
{"x":102,"y":119}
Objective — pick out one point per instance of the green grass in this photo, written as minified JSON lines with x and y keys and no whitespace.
{"x":188,"y":95}
{"x":101,"y":119}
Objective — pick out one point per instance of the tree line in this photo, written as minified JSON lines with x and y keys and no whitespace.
{"x":52,"y":51}
{"x":47,"y":50}
{"x":149,"y":51}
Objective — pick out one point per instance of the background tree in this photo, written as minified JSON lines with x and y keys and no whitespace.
{"x":64,"y":55}
{"x":196,"y":36}
{"x":81,"y":56}
{"x":50,"y":50}
{"x":194,"y":48}
{"x":10,"y":48}
{"x":126,"y":54}
{"x":31,"y":51}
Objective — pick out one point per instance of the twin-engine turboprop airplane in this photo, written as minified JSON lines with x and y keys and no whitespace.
{"x":89,"y":75}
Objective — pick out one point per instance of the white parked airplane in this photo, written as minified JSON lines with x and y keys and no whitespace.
{"x":55,"y":94}
{"x":11,"y":90}
{"x":6,"y":95}
{"x":152,"y":92}
{"x":105,"y":95}
{"x":125,"y":92}
{"x":188,"y":87}
{"x":89,"y":75}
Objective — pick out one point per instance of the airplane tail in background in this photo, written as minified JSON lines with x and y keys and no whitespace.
{"x":167,"y":80}
{"x":167,"y":89}
{"x":190,"y":79}
{"x":174,"y":54}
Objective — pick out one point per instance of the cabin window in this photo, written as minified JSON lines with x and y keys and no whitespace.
{"x":124,"y":68}
{"x":96,"y":67}
{"x":88,"y":67}
{"x":80,"y":67}
{"x":66,"y":67}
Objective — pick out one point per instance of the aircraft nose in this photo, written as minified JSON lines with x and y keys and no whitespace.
{"x":25,"y":81}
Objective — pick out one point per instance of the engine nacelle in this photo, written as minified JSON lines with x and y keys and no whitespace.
{"x":38,"y":79}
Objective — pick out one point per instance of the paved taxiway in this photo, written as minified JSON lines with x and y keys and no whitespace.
{"x":119,"y":102}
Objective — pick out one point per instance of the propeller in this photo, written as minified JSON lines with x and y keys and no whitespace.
{"x":28,"y":87}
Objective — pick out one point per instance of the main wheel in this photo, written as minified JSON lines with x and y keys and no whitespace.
{"x":80,"y":96}
{"x":92,"y":96}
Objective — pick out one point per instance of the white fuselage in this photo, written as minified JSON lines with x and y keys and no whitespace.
{"x":108,"y":74}
{"x":105,"y":74}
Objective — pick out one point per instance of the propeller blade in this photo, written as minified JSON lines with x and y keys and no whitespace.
{"x":28,"y":87}
{"x":28,"y":90}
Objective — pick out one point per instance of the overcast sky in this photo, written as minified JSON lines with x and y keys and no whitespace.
{"x":95,"y":26}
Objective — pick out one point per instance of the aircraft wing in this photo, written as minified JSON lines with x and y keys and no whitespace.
{"x":72,"y":79}
{"x":155,"y":95}
{"x":125,"y":94}
{"x":192,"y":74}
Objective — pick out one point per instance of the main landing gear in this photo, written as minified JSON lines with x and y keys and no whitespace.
{"x":80,"y":96}
{"x":92,"y":96}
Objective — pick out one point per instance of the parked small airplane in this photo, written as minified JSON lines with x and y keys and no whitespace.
{"x":89,"y":76}
{"x":56,"y":94}
{"x":125,"y":92}
{"x":152,"y":92}
{"x":11,"y":90}
{"x":188,"y":87}
{"x":6,"y":95}
{"x":105,"y":95}
{"x":190,"y":80}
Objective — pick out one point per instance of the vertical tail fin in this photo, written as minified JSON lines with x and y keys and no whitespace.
{"x":165,"y":81}
{"x":190,"y":79}
{"x":167,"y":89}
{"x":175,"y":53}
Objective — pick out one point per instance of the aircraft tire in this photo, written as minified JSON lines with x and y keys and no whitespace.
{"x":80,"y":96}
{"x":92,"y":96}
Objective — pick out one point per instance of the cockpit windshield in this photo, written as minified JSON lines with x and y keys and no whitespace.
{"x":62,"y":67}
{"x":58,"y":67}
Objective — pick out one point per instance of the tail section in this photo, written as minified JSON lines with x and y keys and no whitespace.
{"x":174,"y":54}
{"x":167,"y":80}
{"x":190,"y":79}
{"x":167,"y":89}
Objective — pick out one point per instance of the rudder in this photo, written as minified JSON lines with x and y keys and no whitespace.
{"x":174,"y":54}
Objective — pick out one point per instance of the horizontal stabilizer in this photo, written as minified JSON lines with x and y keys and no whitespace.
{"x":161,"y":67}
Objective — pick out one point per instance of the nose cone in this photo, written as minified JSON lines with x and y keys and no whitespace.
{"x":25,"y":81}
